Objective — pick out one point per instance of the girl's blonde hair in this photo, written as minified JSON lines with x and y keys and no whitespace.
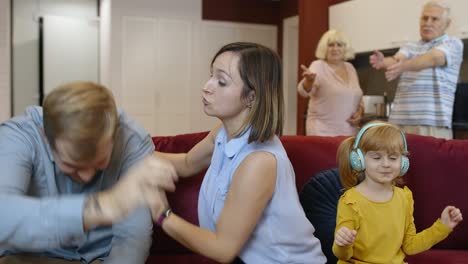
{"x":386,"y":137}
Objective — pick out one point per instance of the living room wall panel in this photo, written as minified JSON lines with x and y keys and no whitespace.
{"x":5,"y":53}
{"x":156,"y":72}
{"x":258,"y":34}
{"x":173,"y":90}
{"x":165,"y":63}
{"x":139,"y":67}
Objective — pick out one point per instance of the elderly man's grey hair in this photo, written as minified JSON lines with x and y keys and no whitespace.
{"x":442,"y":4}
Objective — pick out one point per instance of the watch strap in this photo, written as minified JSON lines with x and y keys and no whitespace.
{"x":163,"y":216}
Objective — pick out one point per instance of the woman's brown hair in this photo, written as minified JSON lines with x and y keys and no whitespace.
{"x":260,"y":70}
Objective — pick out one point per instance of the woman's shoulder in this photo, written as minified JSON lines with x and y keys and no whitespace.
{"x":264,"y":158}
{"x":261,"y":151}
{"x":349,"y":66}
{"x":317,"y":64}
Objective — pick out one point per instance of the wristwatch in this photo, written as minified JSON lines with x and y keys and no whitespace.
{"x":163,"y":216}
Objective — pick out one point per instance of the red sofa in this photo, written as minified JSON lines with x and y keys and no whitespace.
{"x":438,"y":176}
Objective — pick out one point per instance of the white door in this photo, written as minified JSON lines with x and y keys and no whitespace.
{"x":290,"y":71}
{"x":70,"y":50}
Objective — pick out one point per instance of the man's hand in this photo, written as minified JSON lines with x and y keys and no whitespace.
{"x":394,"y":71}
{"x":142,"y":186}
{"x":345,"y":237}
{"x":451,"y":216}
{"x":377,"y":60}
{"x":152,"y":172}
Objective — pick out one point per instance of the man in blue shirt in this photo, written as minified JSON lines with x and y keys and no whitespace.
{"x":429,"y":72}
{"x":68,"y":185}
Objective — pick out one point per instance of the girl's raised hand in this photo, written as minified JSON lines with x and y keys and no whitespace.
{"x":451,"y":216}
{"x":345,"y":237}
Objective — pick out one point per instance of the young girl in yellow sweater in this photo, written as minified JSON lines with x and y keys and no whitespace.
{"x":375,"y":217}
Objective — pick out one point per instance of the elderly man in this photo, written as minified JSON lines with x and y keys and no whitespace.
{"x":429,"y":73}
{"x":70,"y":191}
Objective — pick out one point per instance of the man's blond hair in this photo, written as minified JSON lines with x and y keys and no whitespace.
{"x":82,"y":113}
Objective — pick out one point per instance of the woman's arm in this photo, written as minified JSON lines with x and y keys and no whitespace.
{"x":356,"y":116}
{"x":197,"y":159}
{"x":250,"y":191}
{"x":308,"y":85}
{"x":355,"y":119}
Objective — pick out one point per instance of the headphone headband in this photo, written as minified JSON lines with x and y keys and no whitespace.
{"x":357,"y":159}
{"x":366,"y":127}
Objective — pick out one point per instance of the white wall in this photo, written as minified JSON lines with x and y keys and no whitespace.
{"x":177,"y":9}
{"x":159,"y":60}
{"x":5,"y":67}
{"x":70,"y":50}
{"x":368,"y":27}
{"x":154,"y":55}
{"x":26,"y":43}
{"x":290,"y":70}
{"x":105,"y":21}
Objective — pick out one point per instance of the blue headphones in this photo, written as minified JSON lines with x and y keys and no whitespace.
{"x":356,"y":157}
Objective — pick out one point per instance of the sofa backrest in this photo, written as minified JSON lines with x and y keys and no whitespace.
{"x":184,"y":201}
{"x":310,"y":155}
{"x":438,"y":176}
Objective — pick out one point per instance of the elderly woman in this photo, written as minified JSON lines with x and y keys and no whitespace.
{"x":332,"y":86}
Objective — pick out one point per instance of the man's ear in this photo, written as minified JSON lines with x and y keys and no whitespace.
{"x":448,"y":24}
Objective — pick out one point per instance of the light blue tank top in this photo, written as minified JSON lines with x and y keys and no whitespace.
{"x":283,"y":233}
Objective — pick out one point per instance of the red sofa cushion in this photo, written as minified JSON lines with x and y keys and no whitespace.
{"x":310,"y":155}
{"x":438,"y":176}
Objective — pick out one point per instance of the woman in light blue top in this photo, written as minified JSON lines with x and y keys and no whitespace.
{"x":248,"y":205}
